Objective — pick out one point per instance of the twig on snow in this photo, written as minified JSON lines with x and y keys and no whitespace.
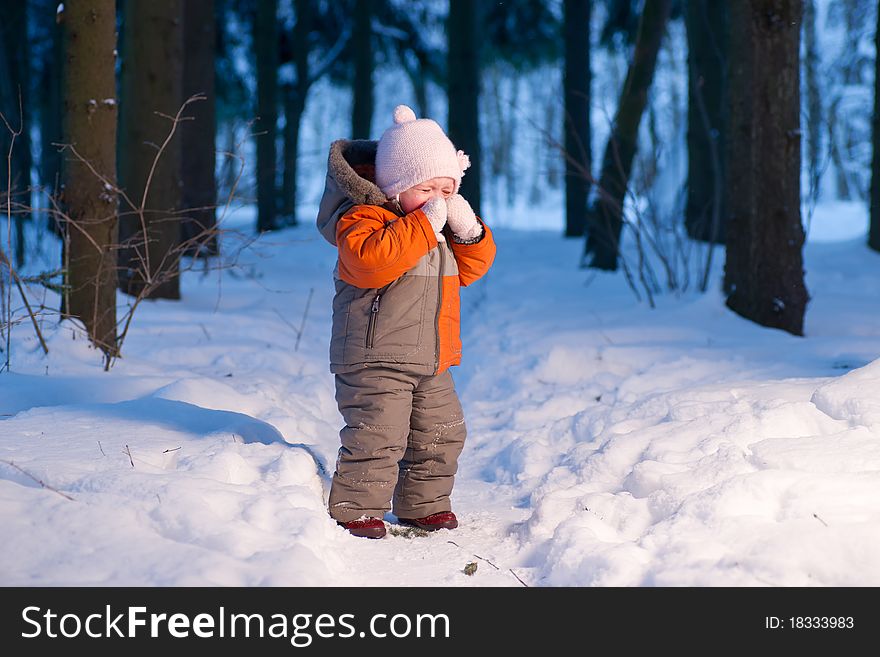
{"x":476,"y":555}
{"x":302,"y":324}
{"x":517,"y":576}
{"x":39,"y":481}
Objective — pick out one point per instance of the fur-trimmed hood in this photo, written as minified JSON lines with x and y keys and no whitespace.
{"x":351,"y":168}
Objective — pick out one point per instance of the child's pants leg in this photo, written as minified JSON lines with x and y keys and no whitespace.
{"x":437,"y":435}
{"x":376,"y":404}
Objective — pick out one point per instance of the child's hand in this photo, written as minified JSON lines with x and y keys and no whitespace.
{"x":462,"y":219}
{"x":436,"y":210}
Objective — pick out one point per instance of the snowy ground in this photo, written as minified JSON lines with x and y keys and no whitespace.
{"x":610,"y":443}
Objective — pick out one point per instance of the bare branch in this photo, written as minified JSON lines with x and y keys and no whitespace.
{"x":39,"y":481}
{"x":5,"y":260}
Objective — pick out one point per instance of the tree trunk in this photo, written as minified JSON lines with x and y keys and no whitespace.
{"x":362,"y":46}
{"x":814,"y":99}
{"x":835,"y":126}
{"x":90,"y":204}
{"x":874,"y":230}
{"x":847,"y":75}
{"x":605,"y":217}
{"x":229,"y":167}
{"x":463,"y":91}
{"x":198,"y":136}
{"x":294,"y":107}
{"x":15,"y":106}
{"x":50,"y":116}
{"x":415,"y":71}
{"x":576,"y":84}
{"x":764,"y":274}
{"x":704,"y":210}
{"x":152,"y":83}
{"x":266,"y":45}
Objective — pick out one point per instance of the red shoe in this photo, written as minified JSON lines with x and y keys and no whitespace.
{"x":365,"y":527}
{"x":433,"y":522}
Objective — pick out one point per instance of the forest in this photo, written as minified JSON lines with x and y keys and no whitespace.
{"x":131,"y":126}
{"x":668,"y":371}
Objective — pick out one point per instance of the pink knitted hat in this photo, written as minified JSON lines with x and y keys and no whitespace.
{"x":414,"y":150}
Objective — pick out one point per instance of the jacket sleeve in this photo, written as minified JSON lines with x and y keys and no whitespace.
{"x":475,"y":259}
{"x":377,"y":247}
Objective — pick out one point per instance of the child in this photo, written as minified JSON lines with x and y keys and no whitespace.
{"x":407,"y":241}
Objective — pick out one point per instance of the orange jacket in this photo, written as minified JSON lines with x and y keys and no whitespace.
{"x":378,"y":248}
{"x":397,"y":287}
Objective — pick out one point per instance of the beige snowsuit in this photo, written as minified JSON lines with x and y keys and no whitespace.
{"x":395,"y":334}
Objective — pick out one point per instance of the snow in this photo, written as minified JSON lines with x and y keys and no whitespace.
{"x":610,"y":444}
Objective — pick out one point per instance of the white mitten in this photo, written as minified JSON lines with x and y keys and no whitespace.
{"x":462,"y":219}
{"x":436,"y":211}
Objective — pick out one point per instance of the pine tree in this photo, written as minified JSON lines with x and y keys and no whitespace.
{"x":152,"y":91}
{"x":605,"y":218}
{"x":362,"y":47}
{"x":874,"y":230}
{"x":15,"y":105}
{"x":49,"y":59}
{"x":814,"y":99}
{"x":463,"y":91}
{"x":764,"y":276}
{"x":705,"y":21}
{"x":576,"y":84}
{"x":199,"y":193}
{"x":266,"y":44}
{"x":89,"y":168}
{"x":312,"y":55}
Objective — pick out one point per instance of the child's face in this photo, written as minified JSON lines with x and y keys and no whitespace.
{"x":417,"y":195}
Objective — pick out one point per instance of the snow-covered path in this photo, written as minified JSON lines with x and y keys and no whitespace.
{"x":208,"y":400}
{"x":609,"y":444}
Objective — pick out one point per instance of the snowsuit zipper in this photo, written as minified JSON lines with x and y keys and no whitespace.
{"x":371,"y":326}
{"x":439,"y":309}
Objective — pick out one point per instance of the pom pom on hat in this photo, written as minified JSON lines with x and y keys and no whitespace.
{"x":402,"y":114}
{"x":414,"y":150}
